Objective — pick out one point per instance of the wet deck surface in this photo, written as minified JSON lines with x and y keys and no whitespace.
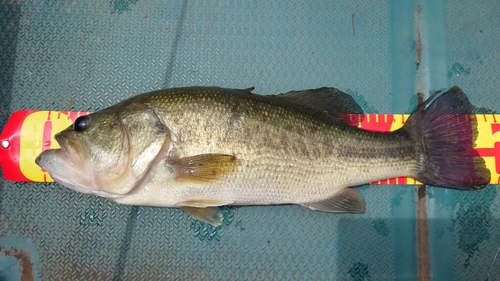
{"x":86,"y":55}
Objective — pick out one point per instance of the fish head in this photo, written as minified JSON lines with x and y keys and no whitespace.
{"x":107,"y":153}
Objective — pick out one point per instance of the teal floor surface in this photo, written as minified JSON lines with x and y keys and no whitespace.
{"x":86,"y":55}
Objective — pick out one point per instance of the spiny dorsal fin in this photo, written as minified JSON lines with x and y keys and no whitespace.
{"x":330,"y":100}
{"x":249,"y":90}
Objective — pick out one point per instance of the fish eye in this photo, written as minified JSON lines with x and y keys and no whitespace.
{"x":81,"y":123}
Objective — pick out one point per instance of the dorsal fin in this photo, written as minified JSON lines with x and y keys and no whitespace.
{"x":246,"y":90}
{"x":330,"y":100}
{"x":249,"y":90}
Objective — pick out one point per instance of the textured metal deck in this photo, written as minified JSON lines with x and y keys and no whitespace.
{"x":86,"y":55}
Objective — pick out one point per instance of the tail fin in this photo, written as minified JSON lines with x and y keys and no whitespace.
{"x":446,"y":132}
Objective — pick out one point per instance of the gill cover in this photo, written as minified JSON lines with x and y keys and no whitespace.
{"x":113,"y":149}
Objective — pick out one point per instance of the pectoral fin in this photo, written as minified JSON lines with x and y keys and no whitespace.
{"x":346,"y":201}
{"x":204,"y":167}
{"x":210,"y":215}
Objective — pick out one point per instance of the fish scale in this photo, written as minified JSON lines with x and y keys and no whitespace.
{"x":315,"y":172}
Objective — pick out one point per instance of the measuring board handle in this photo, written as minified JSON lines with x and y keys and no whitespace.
{"x":29,"y":132}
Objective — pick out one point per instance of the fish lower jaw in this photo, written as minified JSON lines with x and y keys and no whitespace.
{"x":85,"y":190}
{"x":75,"y":187}
{"x":78,"y":186}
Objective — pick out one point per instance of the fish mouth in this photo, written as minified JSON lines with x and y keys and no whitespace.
{"x":60,"y":153}
{"x":68,"y":154}
{"x":70,"y":150}
{"x":65,"y":165}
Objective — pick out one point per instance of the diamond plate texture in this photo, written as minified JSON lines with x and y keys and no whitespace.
{"x":469,"y":231}
{"x":86,"y":55}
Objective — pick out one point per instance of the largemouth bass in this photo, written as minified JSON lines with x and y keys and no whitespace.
{"x":202,"y":147}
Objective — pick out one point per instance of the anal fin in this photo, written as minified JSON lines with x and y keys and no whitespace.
{"x":210,"y":215}
{"x":205,"y":203}
{"x":346,"y":201}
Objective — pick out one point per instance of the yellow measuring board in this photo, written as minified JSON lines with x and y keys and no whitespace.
{"x":487,"y":143}
{"x":29,"y":132}
{"x":26,"y":134}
